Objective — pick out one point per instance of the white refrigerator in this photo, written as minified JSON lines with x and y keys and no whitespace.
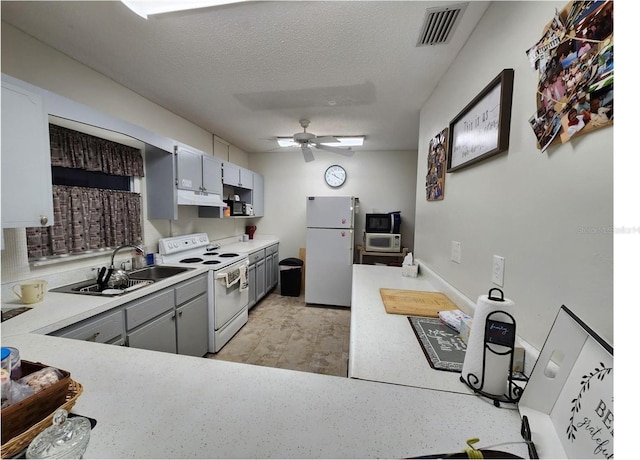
{"x":329,"y":252}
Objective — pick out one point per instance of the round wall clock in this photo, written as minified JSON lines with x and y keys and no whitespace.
{"x":335,"y":176}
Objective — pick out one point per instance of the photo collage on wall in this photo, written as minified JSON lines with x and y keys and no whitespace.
{"x":437,"y":166}
{"x":574,"y":60}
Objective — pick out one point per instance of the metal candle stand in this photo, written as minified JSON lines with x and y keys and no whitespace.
{"x":506,"y":339}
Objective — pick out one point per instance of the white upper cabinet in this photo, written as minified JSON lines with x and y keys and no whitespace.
{"x":197,"y":171}
{"x":186,"y":177}
{"x":27,"y":199}
{"x":211,"y":174}
{"x":237,"y":176}
{"x":189,"y":169}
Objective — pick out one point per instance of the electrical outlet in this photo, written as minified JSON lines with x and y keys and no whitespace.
{"x":497,"y":273}
{"x":456,"y":251}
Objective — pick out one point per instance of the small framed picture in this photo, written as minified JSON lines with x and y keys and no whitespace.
{"x":436,"y":166}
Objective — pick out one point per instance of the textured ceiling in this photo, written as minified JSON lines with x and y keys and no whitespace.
{"x":248,"y":72}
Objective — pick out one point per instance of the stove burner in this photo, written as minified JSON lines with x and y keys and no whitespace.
{"x":229,"y":254}
{"x":191,"y":260}
{"x":211,"y":262}
{"x":210,"y":254}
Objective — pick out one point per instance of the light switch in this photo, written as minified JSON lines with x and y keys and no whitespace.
{"x":456,"y":251}
{"x":497,"y":272}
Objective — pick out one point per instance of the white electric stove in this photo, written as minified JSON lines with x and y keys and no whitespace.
{"x":227,"y":278}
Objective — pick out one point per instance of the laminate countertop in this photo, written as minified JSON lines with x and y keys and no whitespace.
{"x":383,"y":347}
{"x":157,"y":405}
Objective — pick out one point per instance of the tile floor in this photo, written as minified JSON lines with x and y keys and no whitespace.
{"x":283,"y":332}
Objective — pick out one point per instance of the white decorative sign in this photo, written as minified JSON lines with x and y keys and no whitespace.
{"x":481,"y":129}
{"x":477,"y":131}
{"x":583,"y":413}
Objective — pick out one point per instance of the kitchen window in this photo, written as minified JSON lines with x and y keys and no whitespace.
{"x":94,"y":205}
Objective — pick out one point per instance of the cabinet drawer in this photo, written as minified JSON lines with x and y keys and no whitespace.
{"x":272,"y":249}
{"x":190,"y":289}
{"x":101,"y":330}
{"x":256,"y":256}
{"x":148,"y":308}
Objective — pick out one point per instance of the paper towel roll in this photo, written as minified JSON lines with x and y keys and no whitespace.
{"x":496,"y":367}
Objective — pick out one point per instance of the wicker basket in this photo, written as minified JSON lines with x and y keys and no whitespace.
{"x":18,"y":443}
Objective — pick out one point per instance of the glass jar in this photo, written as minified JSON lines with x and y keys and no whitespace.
{"x":5,"y":372}
{"x":16,"y":363}
{"x":66,"y":438}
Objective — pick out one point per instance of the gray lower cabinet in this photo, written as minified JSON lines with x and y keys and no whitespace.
{"x":251,"y":278}
{"x":105,"y":328}
{"x":158,"y":335}
{"x":262,"y":273}
{"x":256,"y":277}
{"x":271,"y":267}
{"x":183,"y":329}
{"x":192,"y":327}
{"x":173,"y":320}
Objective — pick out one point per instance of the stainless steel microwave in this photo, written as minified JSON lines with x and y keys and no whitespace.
{"x":382,"y":223}
{"x":382,"y":242}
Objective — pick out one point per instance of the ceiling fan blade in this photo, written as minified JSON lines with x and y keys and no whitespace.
{"x":324,"y":140}
{"x":342,"y":151}
{"x":307,"y":154}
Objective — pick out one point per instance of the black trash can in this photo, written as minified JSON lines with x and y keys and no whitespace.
{"x":290,"y":276}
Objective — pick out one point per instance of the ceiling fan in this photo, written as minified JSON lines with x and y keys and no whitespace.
{"x":307,"y":140}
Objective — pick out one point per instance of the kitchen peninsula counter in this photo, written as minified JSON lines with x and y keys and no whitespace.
{"x":157,"y":405}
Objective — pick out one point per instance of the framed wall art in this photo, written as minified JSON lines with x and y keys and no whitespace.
{"x":436,"y":166}
{"x":481,"y":129}
{"x":574,"y":61}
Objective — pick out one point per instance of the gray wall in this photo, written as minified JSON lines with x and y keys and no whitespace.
{"x":540,"y":211}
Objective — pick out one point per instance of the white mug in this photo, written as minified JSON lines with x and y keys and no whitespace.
{"x":245,"y":237}
{"x":31,"y":291}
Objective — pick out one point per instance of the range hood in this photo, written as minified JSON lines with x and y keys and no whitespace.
{"x":192,"y":198}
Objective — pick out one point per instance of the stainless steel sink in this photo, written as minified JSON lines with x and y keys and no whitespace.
{"x":90,"y":287}
{"x":156,"y":272}
{"x":137,"y":279}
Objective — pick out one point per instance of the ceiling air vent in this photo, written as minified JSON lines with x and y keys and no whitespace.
{"x":440,"y":23}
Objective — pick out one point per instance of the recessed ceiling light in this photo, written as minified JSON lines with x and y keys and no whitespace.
{"x":147,"y":8}
{"x":345,"y":141}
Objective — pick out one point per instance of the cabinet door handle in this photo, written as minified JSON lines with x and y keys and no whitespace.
{"x":93,"y":337}
{"x":44,"y":220}
{"x":179,"y":313}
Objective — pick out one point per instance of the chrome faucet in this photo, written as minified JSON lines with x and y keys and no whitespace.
{"x":138,"y":249}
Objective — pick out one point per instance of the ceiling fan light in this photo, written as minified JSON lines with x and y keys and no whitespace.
{"x":286,"y":142}
{"x":345,"y":141}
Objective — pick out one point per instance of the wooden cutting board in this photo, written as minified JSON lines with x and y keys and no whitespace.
{"x":415,"y":303}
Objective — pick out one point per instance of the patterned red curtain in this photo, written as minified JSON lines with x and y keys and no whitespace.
{"x":73,"y":149}
{"x":87,"y":219}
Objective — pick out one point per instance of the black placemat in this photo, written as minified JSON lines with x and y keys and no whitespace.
{"x":441,"y":344}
